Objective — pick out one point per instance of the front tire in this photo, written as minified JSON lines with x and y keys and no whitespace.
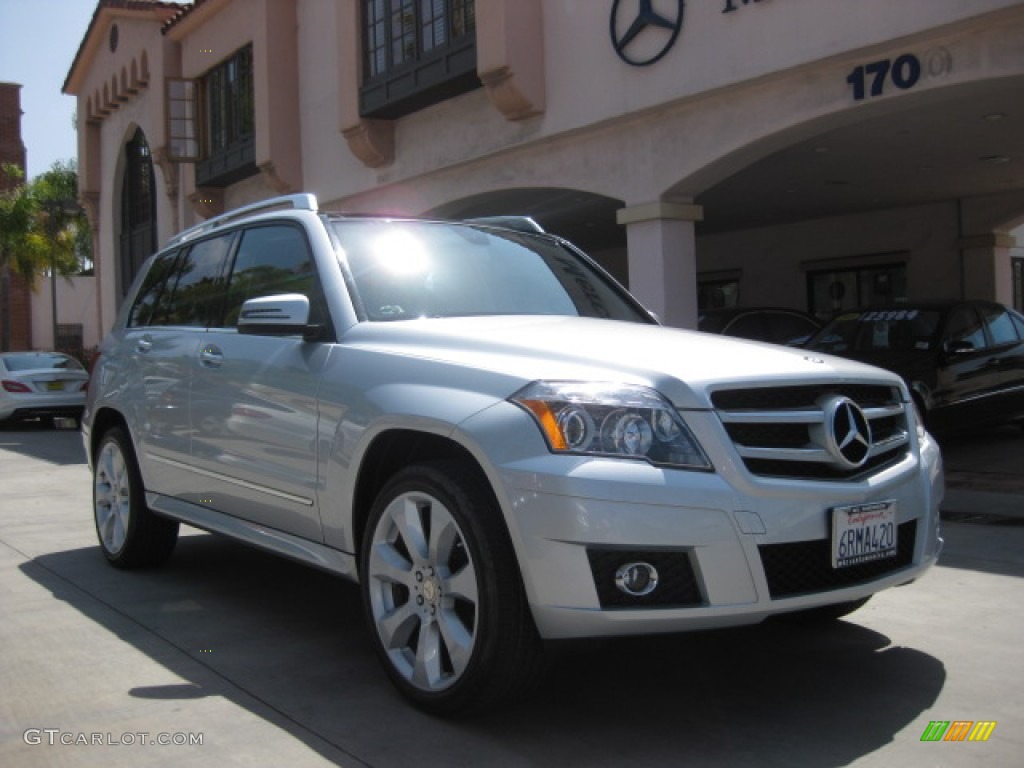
{"x":130,"y":535}
{"x":443,"y":596}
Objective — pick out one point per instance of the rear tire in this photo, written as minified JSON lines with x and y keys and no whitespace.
{"x":443,"y":596}
{"x":130,"y":535}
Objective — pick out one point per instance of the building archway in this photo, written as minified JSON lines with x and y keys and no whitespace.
{"x":137,"y":235}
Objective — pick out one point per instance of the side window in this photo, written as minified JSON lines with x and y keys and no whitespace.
{"x":1018,"y":323}
{"x":195,"y":298}
{"x":153,"y":286}
{"x":1000,"y":325}
{"x":965,"y":326}
{"x":272,"y":260}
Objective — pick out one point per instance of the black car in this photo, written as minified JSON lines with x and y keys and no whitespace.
{"x":963,"y":360}
{"x":778,"y":325}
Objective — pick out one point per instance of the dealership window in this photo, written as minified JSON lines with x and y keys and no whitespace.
{"x":416,"y":53}
{"x":718,"y":293}
{"x":228,"y":146}
{"x":1018,"y":283}
{"x":832,"y":290}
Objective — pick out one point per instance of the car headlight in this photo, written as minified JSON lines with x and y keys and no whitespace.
{"x":617,"y":420}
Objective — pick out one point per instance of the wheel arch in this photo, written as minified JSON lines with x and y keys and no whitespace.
{"x":394,"y":449}
{"x":104,"y":419}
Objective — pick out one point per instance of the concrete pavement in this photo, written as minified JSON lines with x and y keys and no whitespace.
{"x":267,"y":662}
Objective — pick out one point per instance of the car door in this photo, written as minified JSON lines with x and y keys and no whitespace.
{"x":162,"y":335}
{"x":1006,"y":333}
{"x":966,"y":375}
{"x":253,"y":399}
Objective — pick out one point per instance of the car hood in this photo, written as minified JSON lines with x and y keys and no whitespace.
{"x":680,"y":364}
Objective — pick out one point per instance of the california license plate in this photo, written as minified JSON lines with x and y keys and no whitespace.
{"x":55,"y":386}
{"x":863,"y":533}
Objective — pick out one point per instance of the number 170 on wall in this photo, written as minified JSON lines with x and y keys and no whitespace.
{"x":870,"y":79}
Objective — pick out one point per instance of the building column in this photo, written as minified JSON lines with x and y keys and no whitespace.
{"x":662,"y":255}
{"x":987,"y":273}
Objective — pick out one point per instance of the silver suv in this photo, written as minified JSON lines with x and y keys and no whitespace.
{"x":495,"y":440}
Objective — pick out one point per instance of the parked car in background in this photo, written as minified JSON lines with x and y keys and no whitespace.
{"x":778,"y":325}
{"x":495,"y":440}
{"x":963,"y":360}
{"x":41,"y":384}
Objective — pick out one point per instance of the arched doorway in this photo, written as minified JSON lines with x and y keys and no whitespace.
{"x":138,"y":210}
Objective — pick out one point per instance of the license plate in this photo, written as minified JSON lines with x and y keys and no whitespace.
{"x":863,"y":533}
{"x":55,"y":386}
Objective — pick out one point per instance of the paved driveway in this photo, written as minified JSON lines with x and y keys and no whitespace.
{"x":267,"y":663}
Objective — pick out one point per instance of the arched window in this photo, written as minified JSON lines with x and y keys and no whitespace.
{"x":138,"y":209}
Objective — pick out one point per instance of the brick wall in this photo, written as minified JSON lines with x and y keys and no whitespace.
{"x":12,"y":150}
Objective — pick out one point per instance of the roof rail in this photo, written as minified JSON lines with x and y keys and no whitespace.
{"x":301,"y":202}
{"x":518,"y":223}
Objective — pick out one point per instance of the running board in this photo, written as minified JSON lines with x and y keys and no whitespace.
{"x":259,"y":536}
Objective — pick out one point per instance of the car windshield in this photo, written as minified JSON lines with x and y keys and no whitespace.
{"x":895,"y":330}
{"x":410,"y":269}
{"x":39,"y":361}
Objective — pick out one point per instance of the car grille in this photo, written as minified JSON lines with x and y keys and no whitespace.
{"x":782,"y":431}
{"x":806,"y":566}
{"x":677,"y":582}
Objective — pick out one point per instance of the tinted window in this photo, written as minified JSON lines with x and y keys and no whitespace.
{"x":404,"y":270}
{"x":195,"y":298}
{"x":1000,"y":325}
{"x":153,"y":286}
{"x":965,"y":327}
{"x":272,"y":260}
{"x":1018,"y":323}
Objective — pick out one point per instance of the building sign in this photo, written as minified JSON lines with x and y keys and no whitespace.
{"x":902,"y":72}
{"x":642,"y":35}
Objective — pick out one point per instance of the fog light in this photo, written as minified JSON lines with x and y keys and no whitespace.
{"x":636,"y":579}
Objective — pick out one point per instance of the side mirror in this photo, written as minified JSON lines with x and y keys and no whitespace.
{"x":283,"y":315}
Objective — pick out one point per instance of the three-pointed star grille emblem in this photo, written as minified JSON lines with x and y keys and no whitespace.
{"x":848,"y":432}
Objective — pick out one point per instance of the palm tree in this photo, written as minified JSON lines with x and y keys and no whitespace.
{"x":41,"y":229}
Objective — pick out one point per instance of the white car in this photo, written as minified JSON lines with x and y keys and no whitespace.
{"x":494,"y":439}
{"x":41,"y":385}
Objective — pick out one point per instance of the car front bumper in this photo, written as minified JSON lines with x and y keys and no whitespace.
{"x":730,"y":549}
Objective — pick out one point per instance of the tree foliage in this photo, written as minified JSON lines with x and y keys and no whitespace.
{"x":42,"y":228}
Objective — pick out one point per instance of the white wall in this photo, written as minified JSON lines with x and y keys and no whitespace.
{"x":76,"y":303}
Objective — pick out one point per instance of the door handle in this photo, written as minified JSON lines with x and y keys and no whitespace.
{"x":144,"y":344}
{"x":211,"y":356}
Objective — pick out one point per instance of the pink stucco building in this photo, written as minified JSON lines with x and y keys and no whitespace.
{"x":809,"y":153}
